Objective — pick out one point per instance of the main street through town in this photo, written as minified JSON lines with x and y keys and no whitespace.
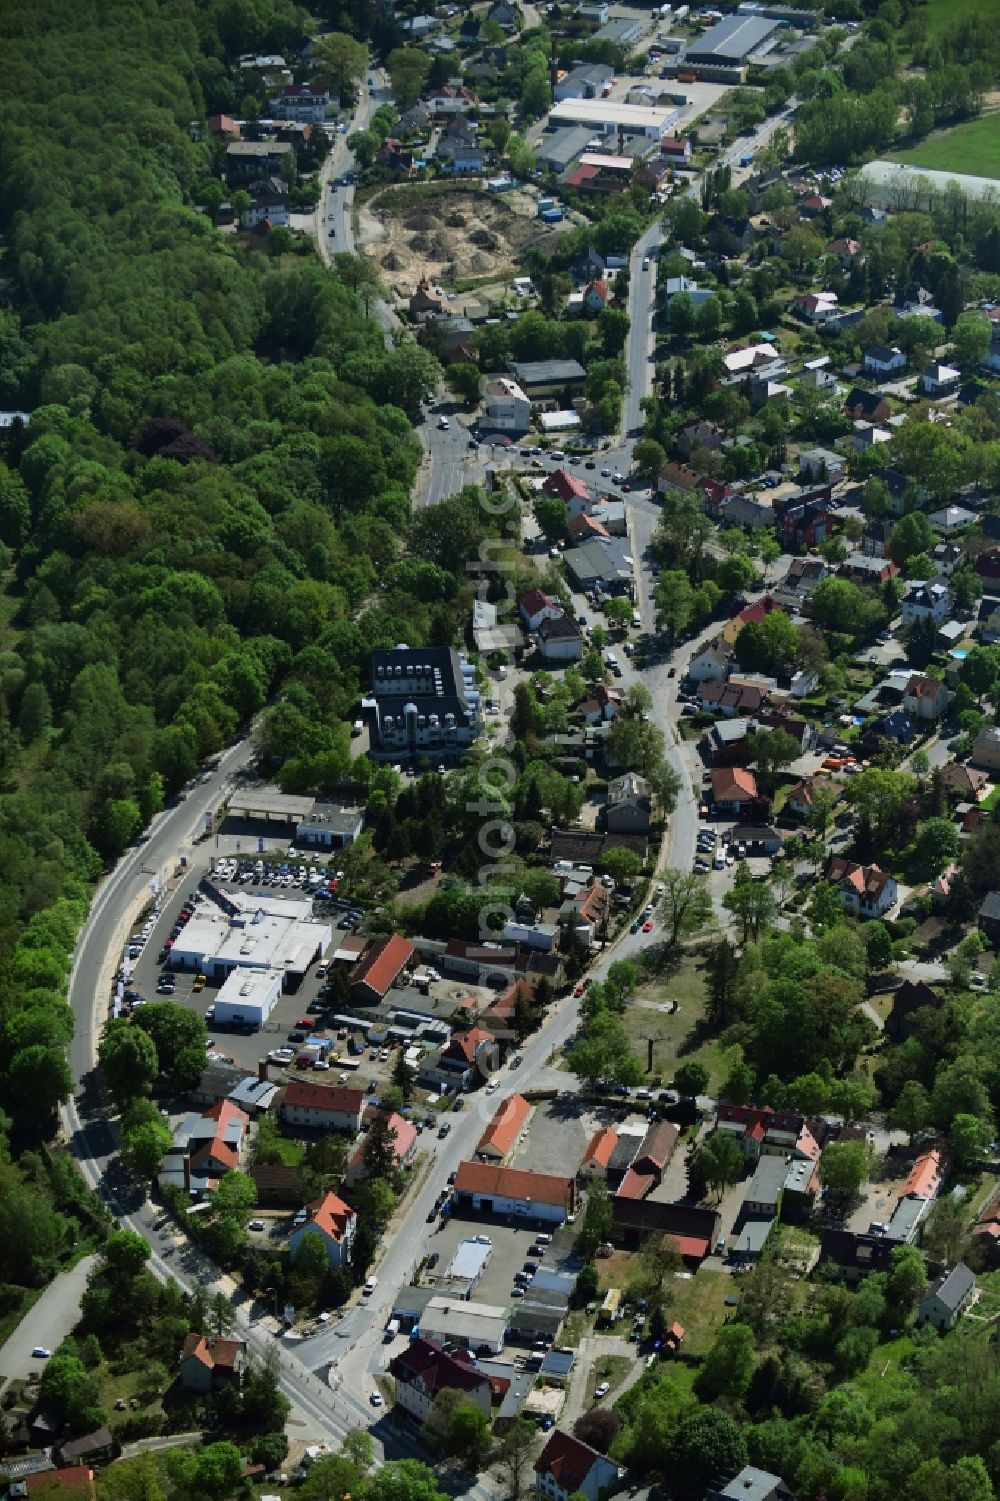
{"x":329,"y":1377}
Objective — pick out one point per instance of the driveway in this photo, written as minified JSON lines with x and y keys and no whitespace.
{"x":48,"y":1323}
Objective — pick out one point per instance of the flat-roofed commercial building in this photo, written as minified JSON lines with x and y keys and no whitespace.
{"x":609,"y":116}
{"x":477,"y":1326}
{"x":247,"y":997}
{"x":252,"y":934}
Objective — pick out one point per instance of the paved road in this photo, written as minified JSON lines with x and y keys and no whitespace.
{"x":352,"y":1352}
{"x":47,"y":1323}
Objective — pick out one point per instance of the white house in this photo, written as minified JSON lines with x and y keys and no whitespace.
{"x":882,"y":361}
{"x":943,"y":1304}
{"x":865,"y":890}
{"x":711,"y":663}
{"x":567,"y":1465}
{"x":559,"y":640}
{"x":514,"y":1191}
{"x":925,"y":698}
{"x":424,"y":1368}
{"x":506,"y":408}
{"x":330,"y":1108}
{"x":334,"y":1221}
{"x":305,"y":102}
{"x":674,"y":285}
{"x":925,"y":601}
{"x":939,"y":380}
{"x":268,"y":201}
{"x":536,"y":606}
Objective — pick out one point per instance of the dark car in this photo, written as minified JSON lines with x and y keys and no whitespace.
{"x":432,"y":1261}
{"x":444,"y":1129}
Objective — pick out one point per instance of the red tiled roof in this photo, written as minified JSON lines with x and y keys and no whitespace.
{"x":586,"y":525}
{"x":225,"y":1111}
{"x":437,"y":1369}
{"x":219,"y":1151}
{"x":920,"y":686}
{"x":331,"y":1215}
{"x":601,"y":1146}
{"x":566,"y":487}
{"x":926,"y":1175}
{"x":866,"y":880}
{"x":580,"y":176}
{"x":567,"y":1459}
{"x":536,"y":600}
{"x":60,"y":1483}
{"x":512,"y":1183}
{"x":635,"y":1185}
{"x":214,"y":1354}
{"x":658,"y":1144}
{"x":690,"y":1245}
{"x":333,"y":1097}
{"x":733,"y":784}
{"x":506,"y":1125}
{"x":466,"y":1044}
{"x":382,"y":962}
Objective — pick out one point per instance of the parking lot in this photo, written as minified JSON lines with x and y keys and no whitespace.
{"x":558,"y":1135}
{"x":245,"y":1049}
{"x":510,"y":1251}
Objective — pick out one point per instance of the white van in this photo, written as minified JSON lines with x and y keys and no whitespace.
{"x":370,"y":1286}
{"x":443,"y":423}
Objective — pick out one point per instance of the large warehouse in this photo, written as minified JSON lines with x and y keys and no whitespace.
{"x":240,"y":933}
{"x":609,"y":116}
{"x":732,"y":41}
{"x":899,"y":186}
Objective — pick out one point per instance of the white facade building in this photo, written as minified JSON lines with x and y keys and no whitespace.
{"x":248,"y":996}
{"x":506,"y":407}
{"x":609,"y":116}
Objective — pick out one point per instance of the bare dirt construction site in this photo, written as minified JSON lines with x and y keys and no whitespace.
{"x":448,"y":235}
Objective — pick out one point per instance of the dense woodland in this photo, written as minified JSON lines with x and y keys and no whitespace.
{"x":211,"y":498}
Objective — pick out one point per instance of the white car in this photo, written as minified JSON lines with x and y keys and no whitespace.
{"x":492,"y":1087}
{"x":602,"y":1390}
{"x":376,"y":1399}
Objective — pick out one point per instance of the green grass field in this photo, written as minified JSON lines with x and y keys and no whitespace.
{"x":973,"y":148}
{"x":677,"y":1037}
{"x":943,"y":14}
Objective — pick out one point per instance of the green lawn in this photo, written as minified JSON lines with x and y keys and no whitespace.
{"x":677,"y":1037}
{"x":943,"y":14}
{"x":973,"y":147}
{"x":293,"y":1153}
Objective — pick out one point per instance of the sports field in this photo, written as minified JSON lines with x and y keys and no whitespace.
{"x":973,"y":147}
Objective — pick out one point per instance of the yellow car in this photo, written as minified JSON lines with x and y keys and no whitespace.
{"x":200,"y":982}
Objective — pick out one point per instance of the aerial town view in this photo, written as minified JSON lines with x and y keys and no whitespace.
{"x":500,"y":750}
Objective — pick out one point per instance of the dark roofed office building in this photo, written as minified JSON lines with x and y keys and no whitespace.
{"x":541,"y":379}
{"x":423,"y":703}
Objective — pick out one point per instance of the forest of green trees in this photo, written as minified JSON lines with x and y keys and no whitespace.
{"x":210,"y":499}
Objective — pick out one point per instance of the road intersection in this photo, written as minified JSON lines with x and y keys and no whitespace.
{"x":328,"y":1377}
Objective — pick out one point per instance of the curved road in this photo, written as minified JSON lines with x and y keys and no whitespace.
{"x":328,"y":1377}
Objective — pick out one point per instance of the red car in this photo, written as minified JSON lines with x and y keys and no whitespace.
{"x":579,"y":989}
{"x":306,"y":1023}
{"x":647,"y":927}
